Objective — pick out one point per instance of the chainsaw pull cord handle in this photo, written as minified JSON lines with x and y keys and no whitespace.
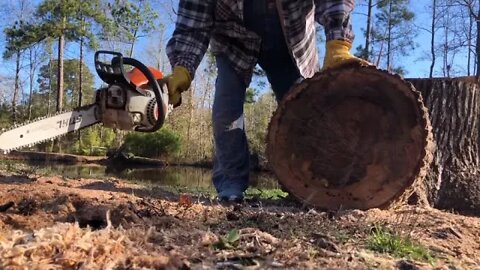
{"x":157,"y":89}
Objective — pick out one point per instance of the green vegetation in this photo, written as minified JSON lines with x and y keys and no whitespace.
{"x":44,"y":100}
{"x":384,"y":240}
{"x":228,"y":241}
{"x":251,"y":193}
{"x":270,"y":194}
{"x":161,"y":143}
{"x":94,"y":141}
{"x":257,"y":115}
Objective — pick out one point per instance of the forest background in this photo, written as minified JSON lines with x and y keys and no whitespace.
{"x":44,"y":41}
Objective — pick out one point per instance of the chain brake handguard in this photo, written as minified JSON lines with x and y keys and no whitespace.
{"x":125,"y":105}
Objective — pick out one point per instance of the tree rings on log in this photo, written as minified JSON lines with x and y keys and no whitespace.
{"x":351,"y":137}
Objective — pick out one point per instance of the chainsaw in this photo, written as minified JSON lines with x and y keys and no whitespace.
{"x":134,"y":100}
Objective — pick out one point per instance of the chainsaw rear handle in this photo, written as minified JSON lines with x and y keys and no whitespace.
{"x":115,"y":73}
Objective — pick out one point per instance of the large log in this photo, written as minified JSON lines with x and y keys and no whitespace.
{"x":453,"y":183}
{"x":353,"y":137}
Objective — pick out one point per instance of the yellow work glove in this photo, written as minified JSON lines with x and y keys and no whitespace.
{"x":178,"y":82}
{"x":338,"y":53}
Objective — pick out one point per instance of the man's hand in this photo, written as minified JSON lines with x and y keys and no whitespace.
{"x":178,"y":82}
{"x":338,"y":53}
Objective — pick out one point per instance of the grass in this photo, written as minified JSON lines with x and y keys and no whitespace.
{"x":209,"y":192}
{"x":384,"y":240}
{"x":342,"y":236}
{"x":263,"y":193}
{"x":269,"y":194}
{"x":229,"y":241}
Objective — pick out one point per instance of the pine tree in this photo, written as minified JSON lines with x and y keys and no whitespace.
{"x":393,"y":32}
{"x":19,"y":37}
{"x":364,"y":51}
{"x":69,"y":20}
{"x":49,"y":81}
{"x":132,"y":20}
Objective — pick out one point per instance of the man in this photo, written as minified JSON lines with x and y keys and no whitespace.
{"x":279,"y":35}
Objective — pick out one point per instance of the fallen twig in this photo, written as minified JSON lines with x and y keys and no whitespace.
{"x":5,"y":207}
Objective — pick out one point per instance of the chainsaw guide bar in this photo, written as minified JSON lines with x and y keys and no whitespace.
{"x":48,"y":128}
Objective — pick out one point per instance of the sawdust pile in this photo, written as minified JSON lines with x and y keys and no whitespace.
{"x":67,"y":246}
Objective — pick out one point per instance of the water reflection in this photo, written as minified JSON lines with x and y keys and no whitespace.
{"x":170,"y":176}
{"x":176,"y":176}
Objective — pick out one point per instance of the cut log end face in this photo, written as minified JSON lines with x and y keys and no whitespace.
{"x":348,"y":138}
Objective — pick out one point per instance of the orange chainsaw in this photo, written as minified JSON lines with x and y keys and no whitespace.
{"x":134,"y":100}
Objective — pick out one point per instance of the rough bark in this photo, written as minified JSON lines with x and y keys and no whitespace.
{"x":352,"y":137}
{"x":453,"y":183}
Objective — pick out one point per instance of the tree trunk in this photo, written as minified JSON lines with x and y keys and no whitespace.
{"x":190,"y":119}
{"x":446,"y":45}
{"x":49,"y":95}
{"x":469,"y":46}
{"x":17,"y":87}
{"x":369,"y":30}
{"x":477,"y":45}
{"x":80,"y":75}
{"x":133,"y":43}
{"x":389,"y":38}
{"x":80,"y":87}
{"x":61,"y":47}
{"x":80,"y":67}
{"x":131,"y":49}
{"x":31,"y":75}
{"x":432,"y":41}
{"x":453,"y":183}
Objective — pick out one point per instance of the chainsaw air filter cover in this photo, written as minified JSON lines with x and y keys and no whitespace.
{"x":350,"y":137}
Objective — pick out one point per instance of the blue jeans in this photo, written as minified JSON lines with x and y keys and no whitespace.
{"x":231,"y":159}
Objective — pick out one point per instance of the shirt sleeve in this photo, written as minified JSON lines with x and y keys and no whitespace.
{"x":191,"y":36}
{"x":335,"y":16}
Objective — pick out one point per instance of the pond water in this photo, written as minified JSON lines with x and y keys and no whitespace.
{"x":190,"y":178}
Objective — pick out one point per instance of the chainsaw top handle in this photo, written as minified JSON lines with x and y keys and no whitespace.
{"x":115,"y":73}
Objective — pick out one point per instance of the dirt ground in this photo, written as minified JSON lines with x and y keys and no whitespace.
{"x":57,"y":223}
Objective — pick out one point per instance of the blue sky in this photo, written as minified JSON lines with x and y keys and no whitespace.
{"x":416,"y":65}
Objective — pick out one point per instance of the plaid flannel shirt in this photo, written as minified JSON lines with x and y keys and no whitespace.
{"x":220,"y":23}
